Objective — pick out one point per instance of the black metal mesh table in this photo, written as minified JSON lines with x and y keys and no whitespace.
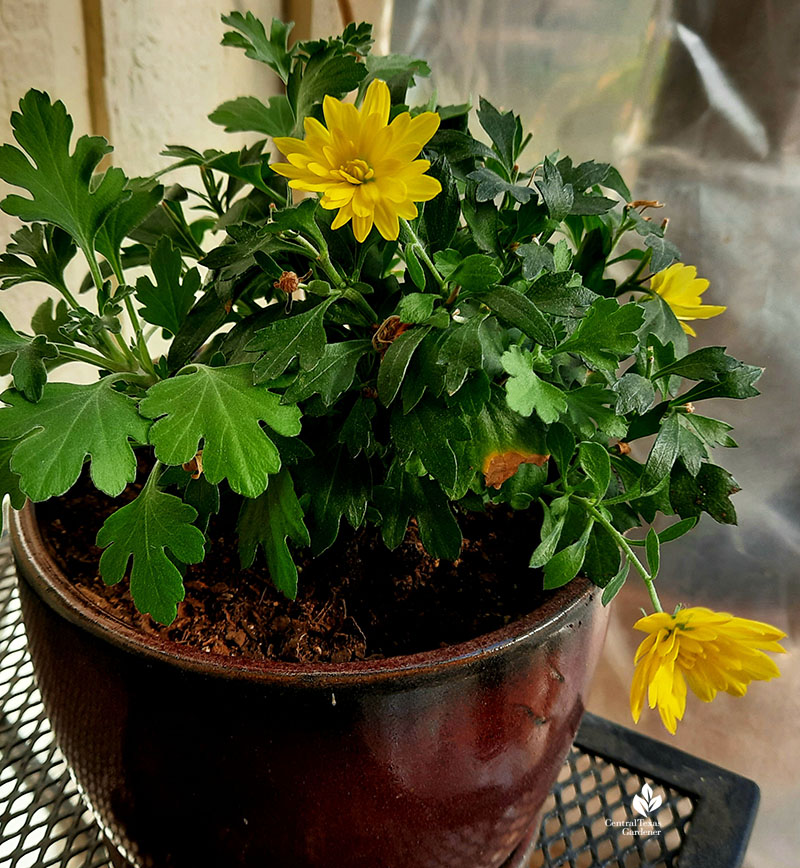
{"x":703,"y":819}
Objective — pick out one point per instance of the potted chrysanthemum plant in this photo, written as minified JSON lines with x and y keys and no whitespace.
{"x":484,"y":370}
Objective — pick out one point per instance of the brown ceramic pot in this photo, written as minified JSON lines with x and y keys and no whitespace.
{"x":194,"y":760}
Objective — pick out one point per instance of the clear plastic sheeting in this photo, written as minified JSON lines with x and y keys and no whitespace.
{"x":698,"y":103}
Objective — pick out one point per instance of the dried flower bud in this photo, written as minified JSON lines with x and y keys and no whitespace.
{"x":288,"y":282}
{"x":390,"y":329}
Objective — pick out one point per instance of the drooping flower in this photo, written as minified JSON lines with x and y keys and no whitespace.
{"x":681,"y":288}
{"x":363,"y":165}
{"x":709,"y":651}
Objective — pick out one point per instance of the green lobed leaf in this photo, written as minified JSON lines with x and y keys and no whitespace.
{"x":59,"y":181}
{"x":396,"y":361}
{"x":483,"y":220}
{"x":526,"y":392}
{"x":222,"y":408}
{"x":461,"y":351}
{"x":416,"y":307}
{"x":691,"y":448}
{"x":661,"y":330}
{"x":709,"y":491}
{"x":557,"y":195}
{"x":143,"y":530}
{"x":441,"y":215}
{"x":501,"y":127}
{"x":404,"y":495}
{"x":606,"y":334}
{"x":562,"y":256}
{"x":561,"y":294}
{"x":552,"y":527}
{"x":475,"y":273}
{"x":635,"y":394}
{"x":565,"y":565}
{"x":602,"y":561}
{"x":458,"y":146}
{"x":583,"y":176}
{"x":489,"y":184}
{"x":248,"y":114}
{"x":415,"y":270}
{"x":519,"y":311}
{"x":591,"y":204}
{"x":428,"y":431}
{"x":595,"y":463}
{"x":399,"y":71}
{"x":588,"y":406}
{"x":9,"y":481}
{"x":423,"y":373}
{"x":736,"y":383}
{"x":326,"y":73}
{"x":561,"y":445}
{"x":167,"y":302}
{"x":49,"y":249}
{"x":269,"y":521}
{"x":664,"y":252}
{"x":662,"y":455}
{"x":143,"y":198}
{"x":356,"y":432}
{"x":535,"y":259}
{"x":249,"y":34}
{"x":707,"y":363}
{"x":332,"y":375}
{"x":339,"y":486}
{"x":300,"y":337}
{"x":69,"y":423}
{"x":27,"y":369}
{"x":712,"y":432}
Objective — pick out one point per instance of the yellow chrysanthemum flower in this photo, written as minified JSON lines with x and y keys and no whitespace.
{"x":707,"y":650}
{"x":362,"y":164}
{"x":681,"y":288}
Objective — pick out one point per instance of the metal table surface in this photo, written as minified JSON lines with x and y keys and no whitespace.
{"x":703,"y":820}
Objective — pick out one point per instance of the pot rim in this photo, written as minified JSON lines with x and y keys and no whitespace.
{"x":52,"y":586}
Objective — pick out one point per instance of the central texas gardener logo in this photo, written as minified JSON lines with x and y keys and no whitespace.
{"x":645,"y":802}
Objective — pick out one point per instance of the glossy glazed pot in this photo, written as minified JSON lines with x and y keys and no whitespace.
{"x":191,"y":760}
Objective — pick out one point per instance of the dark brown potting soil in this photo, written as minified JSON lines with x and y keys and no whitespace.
{"x":356,"y":601}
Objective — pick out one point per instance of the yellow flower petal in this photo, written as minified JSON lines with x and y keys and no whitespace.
{"x":681,"y":288}
{"x":362,"y":227}
{"x":377,"y":101}
{"x":705,"y":650}
{"x":361,"y":164}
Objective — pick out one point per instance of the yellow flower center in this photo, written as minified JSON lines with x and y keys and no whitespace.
{"x":356,"y":171}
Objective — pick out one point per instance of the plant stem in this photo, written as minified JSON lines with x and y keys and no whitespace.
{"x":123,"y":354}
{"x":152,"y":478}
{"x":623,"y":544}
{"x":322,"y":257}
{"x":420,"y":250}
{"x":141,"y":344}
{"x":632,"y":277}
{"x":70,"y":298}
{"x":361,"y":303}
{"x":79,"y":355}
